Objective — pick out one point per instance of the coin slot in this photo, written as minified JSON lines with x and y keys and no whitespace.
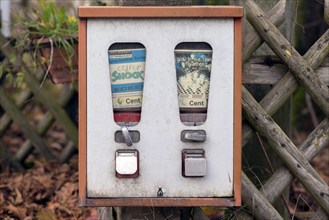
{"x":193,"y":136}
{"x":119,"y":138}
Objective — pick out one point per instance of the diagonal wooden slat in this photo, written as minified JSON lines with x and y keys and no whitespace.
{"x":252,"y":40}
{"x":260,"y":209}
{"x":42,"y":128}
{"x":6,"y":156}
{"x":45,"y":97}
{"x":287,"y":85}
{"x":320,"y":49}
{"x":283,"y":90}
{"x":268,"y":70}
{"x":5,"y":120}
{"x":21,"y":121}
{"x":52,"y":105}
{"x":287,"y":151}
{"x":21,"y":100}
{"x":280,"y":93}
{"x":67,"y":152}
{"x":281,"y":179}
{"x":298,"y":66}
{"x":319,"y":215}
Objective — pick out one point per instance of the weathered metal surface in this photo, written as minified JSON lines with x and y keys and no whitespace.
{"x":160,"y":156}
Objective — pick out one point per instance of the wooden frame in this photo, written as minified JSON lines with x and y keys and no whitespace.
{"x":160,"y":12}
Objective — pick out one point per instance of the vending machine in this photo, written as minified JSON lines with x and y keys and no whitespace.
{"x":160,"y":106}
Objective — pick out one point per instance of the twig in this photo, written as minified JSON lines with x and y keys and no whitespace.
{"x":272,"y":169}
{"x":297,"y":136}
{"x":48,"y":69}
{"x":311,"y":110}
{"x":297,"y":23}
{"x":50,"y":63}
{"x":300,"y":196}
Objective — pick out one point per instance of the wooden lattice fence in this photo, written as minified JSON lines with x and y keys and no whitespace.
{"x":291,"y":70}
{"x":35,"y":94}
{"x":300,"y":71}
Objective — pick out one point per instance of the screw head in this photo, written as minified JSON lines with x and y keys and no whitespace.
{"x":160,"y":192}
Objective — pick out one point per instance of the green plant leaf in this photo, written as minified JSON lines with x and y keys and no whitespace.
{"x":19,"y":79}
{"x":9,"y":78}
{"x":1,"y":70}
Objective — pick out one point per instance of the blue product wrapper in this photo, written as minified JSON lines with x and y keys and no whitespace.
{"x":127,"y":68}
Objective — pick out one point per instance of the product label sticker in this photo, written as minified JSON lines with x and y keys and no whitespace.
{"x":193,"y":77}
{"x":127,"y":68}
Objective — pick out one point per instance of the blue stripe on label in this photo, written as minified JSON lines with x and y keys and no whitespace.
{"x":128,"y":87}
{"x":135,"y":56}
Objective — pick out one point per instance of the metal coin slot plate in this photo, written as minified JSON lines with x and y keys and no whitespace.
{"x":193,"y":136}
{"x":194,"y":163}
{"x":127,"y":163}
{"x":119,"y":138}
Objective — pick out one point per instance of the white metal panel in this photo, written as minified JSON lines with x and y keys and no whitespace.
{"x":5,"y":17}
{"x":160,"y":128}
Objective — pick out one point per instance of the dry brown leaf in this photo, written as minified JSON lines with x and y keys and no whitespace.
{"x":11,"y":198}
{"x":18,"y":180}
{"x":18,"y":199}
{"x":61,"y":179}
{"x":50,"y":185}
{"x":56,"y":146}
{"x":46,"y":214}
{"x":2,"y":199}
{"x":44,"y":180}
{"x":53,"y":205}
{"x":63,"y":208}
{"x":18,"y":212}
